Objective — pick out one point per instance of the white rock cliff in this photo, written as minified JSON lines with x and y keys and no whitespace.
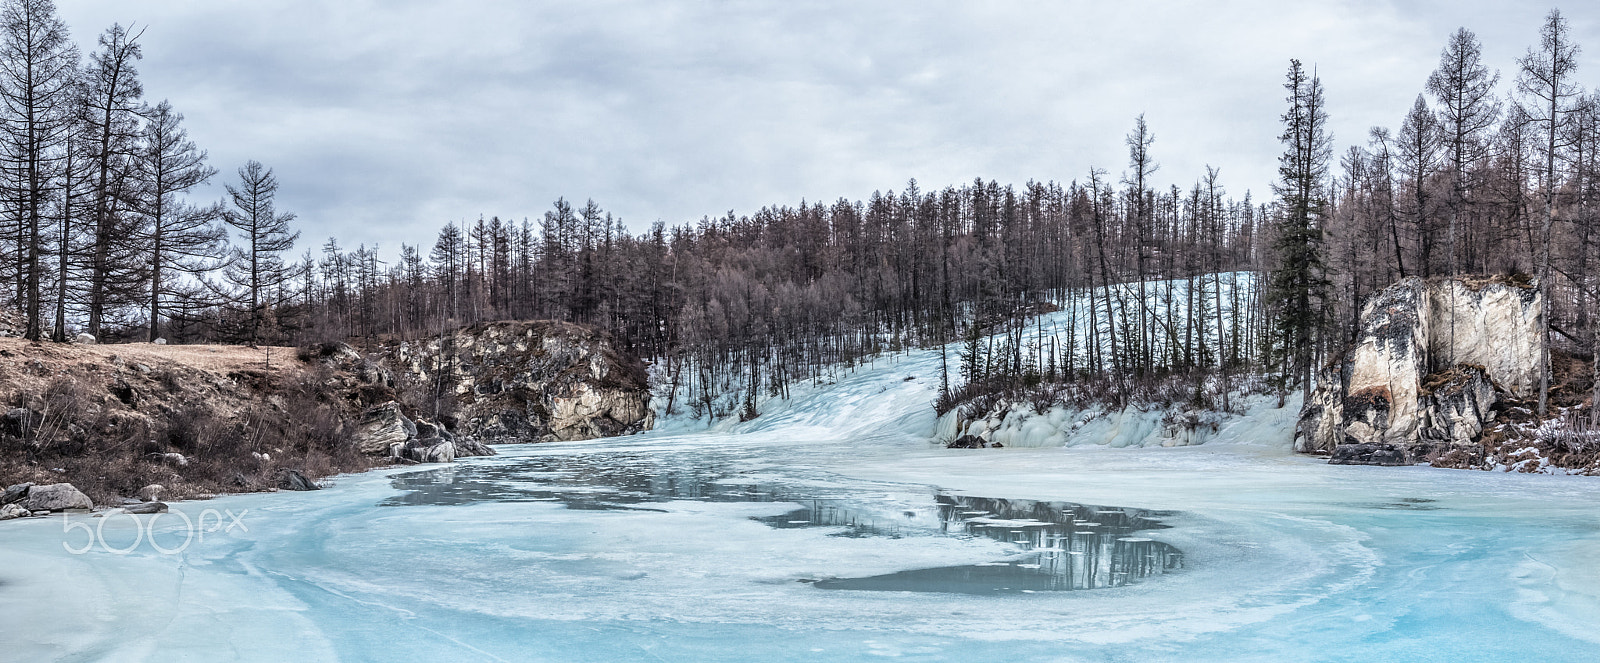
{"x":1429,"y":361}
{"x":533,"y":381}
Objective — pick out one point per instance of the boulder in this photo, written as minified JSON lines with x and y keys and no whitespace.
{"x":294,"y":480}
{"x":56,"y":497}
{"x":145,"y":508}
{"x":429,"y":450}
{"x":160,"y":341}
{"x":1371,"y":454}
{"x":84,"y":339}
{"x":427,"y":428}
{"x":10,"y":511}
{"x":970,"y":442}
{"x":466,"y":446}
{"x":14,"y":494}
{"x":151,"y":493}
{"x":1428,"y":363}
{"x":383,"y":426}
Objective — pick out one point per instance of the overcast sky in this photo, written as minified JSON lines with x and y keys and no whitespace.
{"x":385,"y":120}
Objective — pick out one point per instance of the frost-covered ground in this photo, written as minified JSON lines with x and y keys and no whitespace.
{"x":648,"y":548}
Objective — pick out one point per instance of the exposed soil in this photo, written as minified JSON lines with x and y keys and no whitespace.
{"x":112,"y":418}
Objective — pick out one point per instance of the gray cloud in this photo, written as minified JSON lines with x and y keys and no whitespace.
{"x":384,"y":120}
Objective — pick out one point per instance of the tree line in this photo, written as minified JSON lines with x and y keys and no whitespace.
{"x":100,"y":231}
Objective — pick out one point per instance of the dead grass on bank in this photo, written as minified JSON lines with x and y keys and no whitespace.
{"x":111,"y":419}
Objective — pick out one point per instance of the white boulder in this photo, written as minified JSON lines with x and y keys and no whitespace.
{"x":152,"y":493}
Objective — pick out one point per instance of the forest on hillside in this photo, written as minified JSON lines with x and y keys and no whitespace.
{"x":101,"y":231}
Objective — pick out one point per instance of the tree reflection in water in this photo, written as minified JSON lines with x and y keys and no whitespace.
{"x":1064,"y":546}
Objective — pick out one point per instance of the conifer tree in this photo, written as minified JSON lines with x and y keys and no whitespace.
{"x":181,"y":238}
{"x":1297,"y":283}
{"x":256,"y":265}
{"x":111,"y":115}
{"x":38,"y":75}
{"x":1546,"y":82}
{"x":1464,"y":89}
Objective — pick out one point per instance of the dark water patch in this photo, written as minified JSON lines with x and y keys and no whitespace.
{"x":1402,"y":504}
{"x":1062,"y":545}
{"x":1071,"y":547}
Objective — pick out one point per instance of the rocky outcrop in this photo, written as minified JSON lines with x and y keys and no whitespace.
{"x":198,"y":420}
{"x":386,"y":430}
{"x":349,"y":363}
{"x":294,"y":480}
{"x":1493,"y":323}
{"x":1429,"y":362}
{"x":207,"y":419}
{"x":382,"y":427}
{"x":532,"y":381}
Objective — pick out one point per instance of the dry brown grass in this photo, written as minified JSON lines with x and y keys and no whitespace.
{"x":102,"y":417}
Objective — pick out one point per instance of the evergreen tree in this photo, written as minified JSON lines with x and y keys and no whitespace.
{"x":1298,"y":284}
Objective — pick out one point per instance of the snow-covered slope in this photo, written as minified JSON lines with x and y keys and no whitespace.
{"x":895,"y":393}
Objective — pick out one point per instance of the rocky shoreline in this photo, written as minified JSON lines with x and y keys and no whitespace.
{"x":1446,"y":372}
{"x":132,"y":426}
{"x":1442,"y":371}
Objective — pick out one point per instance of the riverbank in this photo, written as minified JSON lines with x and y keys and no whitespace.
{"x":201,"y":420}
{"x":198,"y":420}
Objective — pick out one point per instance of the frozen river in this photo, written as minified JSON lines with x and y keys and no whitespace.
{"x":829,"y":529}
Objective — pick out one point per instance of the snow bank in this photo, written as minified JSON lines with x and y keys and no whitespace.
{"x":1262,"y":423}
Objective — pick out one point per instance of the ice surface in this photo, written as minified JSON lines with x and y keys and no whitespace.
{"x":688,"y":553}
